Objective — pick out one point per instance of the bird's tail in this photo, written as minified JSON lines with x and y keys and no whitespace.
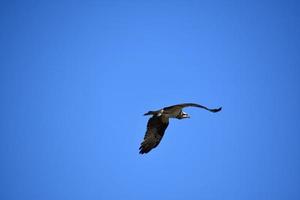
{"x":150,"y":113}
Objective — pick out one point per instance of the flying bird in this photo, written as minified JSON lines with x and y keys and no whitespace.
{"x":159,"y":122}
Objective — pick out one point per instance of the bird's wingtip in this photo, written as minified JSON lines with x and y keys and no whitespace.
{"x":217,"y":109}
{"x":142,"y":151}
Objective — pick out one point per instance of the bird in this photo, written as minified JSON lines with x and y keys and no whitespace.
{"x":159,"y":122}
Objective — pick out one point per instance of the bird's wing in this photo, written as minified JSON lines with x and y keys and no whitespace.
{"x":155,"y":131}
{"x":183,"y":105}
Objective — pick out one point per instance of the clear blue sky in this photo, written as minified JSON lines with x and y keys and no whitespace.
{"x":76,"y":77}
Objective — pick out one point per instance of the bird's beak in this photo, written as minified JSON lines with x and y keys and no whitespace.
{"x":186,"y":116}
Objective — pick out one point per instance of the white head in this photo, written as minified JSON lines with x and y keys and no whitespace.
{"x":182,"y":115}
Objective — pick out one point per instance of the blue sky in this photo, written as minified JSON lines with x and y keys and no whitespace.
{"x":76,"y":77}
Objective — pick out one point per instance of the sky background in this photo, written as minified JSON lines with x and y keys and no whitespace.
{"x":76,"y":77}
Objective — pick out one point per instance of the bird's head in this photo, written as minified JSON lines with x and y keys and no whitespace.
{"x":182,"y":115}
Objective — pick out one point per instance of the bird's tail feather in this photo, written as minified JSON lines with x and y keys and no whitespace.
{"x":150,"y":113}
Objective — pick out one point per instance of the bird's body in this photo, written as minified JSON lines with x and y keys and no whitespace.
{"x":159,"y":122}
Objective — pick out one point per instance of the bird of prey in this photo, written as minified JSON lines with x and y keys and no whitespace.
{"x":159,"y":122}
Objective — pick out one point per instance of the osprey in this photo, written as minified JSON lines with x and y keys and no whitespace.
{"x":159,"y":122}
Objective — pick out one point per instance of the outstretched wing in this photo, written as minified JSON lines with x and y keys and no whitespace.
{"x":156,"y":127}
{"x":180,"y":106}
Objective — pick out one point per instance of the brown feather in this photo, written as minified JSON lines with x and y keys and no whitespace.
{"x":183,"y":105}
{"x":156,"y":127}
